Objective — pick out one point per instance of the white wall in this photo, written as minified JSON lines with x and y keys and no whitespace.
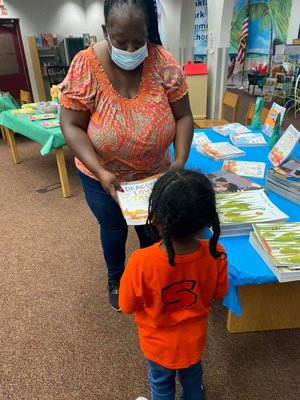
{"x":172,"y":10}
{"x":94,"y":17}
{"x":294,"y":21}
{"x":55,"y":16}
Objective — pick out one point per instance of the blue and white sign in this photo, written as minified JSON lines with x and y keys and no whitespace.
{"x":200,"y":39}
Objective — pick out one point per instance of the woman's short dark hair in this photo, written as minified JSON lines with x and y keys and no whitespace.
{"x":147,"y":6}
{"x":182,"y":204}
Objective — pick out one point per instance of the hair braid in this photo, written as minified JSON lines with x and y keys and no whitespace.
{"x":149,"y":8}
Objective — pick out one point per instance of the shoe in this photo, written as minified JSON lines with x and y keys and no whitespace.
{"x":113,"y":293}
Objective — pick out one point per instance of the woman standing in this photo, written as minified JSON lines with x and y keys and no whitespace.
{"x":124,"y":101}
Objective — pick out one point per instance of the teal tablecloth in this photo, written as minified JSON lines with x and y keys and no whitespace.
{"x":7,"y":102}
{"x":49,"y":138}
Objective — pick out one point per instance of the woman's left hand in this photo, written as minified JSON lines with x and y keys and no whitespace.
{"x":177,"y":164}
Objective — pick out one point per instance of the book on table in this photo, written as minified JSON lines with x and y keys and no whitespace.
{"x":199,"y":139}
{"x":225,"y":181}
{"x":271,"y":118}
{"x":20,"y":112}
{"x":285,"y":180}
{"x":40,"y":117}
{"x":285,"y":146}
{"x":249,"y":139}
{"x":238,"y":211}
{"x":279,"y":246}
{"x":230,"y":129}
{"x":220,"y":150}
{"x":135,"y":199}
{"x":50,"y":124}
{"x":254,"y":169}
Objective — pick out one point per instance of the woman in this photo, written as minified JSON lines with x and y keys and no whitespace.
{"x":124,"y":101}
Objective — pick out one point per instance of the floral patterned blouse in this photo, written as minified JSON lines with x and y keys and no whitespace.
{"x":130,"y":136}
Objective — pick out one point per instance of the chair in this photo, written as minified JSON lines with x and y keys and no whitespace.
{"x":230,"y":100}
{"x":251,"y":113}
{"x":25,"y":97}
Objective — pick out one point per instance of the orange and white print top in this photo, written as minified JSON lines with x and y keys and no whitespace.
{"x":130,"y":136}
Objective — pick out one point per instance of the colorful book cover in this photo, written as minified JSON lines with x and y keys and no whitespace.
{"x":245,"y":168}
{"x":290,"y":169}
{"x":249,"y":139}
{"x":134,"y":200}
{"x":230,"y":129}
{"x":48,"y":39}
{"x":29,"y":105}
{"x":220,"y":150}
{"x":285,"y":145}
{"x":22,"y":111}
{"x":247,"y":207}
{"x":281,"y":241}
{"x":225,"y":181}
{"x":39,"y":40}
{"x":269,"y":89}
{"x":271,"y":118}
{"x":199,"y":139}
{"x":50,"y":124}
{"x":41,"y":117}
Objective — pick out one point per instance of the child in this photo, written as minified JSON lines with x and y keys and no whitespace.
{"x":169,"y":285}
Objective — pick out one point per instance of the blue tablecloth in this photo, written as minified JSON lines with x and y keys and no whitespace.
{"x":245,"y":265}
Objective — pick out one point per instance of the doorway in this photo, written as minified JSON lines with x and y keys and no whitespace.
{"x":13,"y":67}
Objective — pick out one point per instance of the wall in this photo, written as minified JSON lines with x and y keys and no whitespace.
{"x":172,"y":25}
{"x":94,"y":17}
{"x":294,"y":21}
{"x":55,"y":16}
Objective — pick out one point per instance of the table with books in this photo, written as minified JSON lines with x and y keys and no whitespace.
{"x":42,"y":128}
{"x":256,"y":299}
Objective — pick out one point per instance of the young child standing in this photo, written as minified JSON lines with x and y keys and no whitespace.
{"x":169,"y":285}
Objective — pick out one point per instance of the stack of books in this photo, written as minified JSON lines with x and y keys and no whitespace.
{"x":225,"y":181}
{"x":279,"y":247}
{"x":245,"y":168}
{"x":220,"y":150}
{"x":249,"y":139}
{"x":285,"y":180}
{"x":238,"y":211}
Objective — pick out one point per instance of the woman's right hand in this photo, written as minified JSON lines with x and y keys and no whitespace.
{"x":110,"y":184}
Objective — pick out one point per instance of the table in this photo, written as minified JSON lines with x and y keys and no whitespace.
{"x":256,"y":300}
{"x":50,"y":139}
{"x":7,"y":102}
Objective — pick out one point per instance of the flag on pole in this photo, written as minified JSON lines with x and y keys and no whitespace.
{"x":242,"y":44}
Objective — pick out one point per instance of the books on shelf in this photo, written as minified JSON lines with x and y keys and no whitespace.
{"x":285,"y":145}
{"x":50,"y":124}
{"x":238,"y":211}
{"x":48,"y":39}
{"x":134,"y":200}
{"x":279,"y":246}
{"x":20,"y":112}
{"x":249,"y":139}
{"x":230,"y":129}
{"x":220,"y":150}
{"x":271,"y":118}
{"x":39,"y":117}
{"x":225,"y":181}
{"x":285,"y":180}
{"x":245,"y":168}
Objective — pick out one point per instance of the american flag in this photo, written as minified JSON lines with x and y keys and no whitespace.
{"x":242,"y":45}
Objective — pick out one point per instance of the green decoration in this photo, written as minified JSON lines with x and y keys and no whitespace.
{"x":276,"y":132}
{"x":255,"y":124}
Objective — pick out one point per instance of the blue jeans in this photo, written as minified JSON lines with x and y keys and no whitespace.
{"x":162,"y":382}
{"x":113,"y":227}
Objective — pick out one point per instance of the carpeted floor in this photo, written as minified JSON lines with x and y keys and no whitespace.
{"x":59,"y":338}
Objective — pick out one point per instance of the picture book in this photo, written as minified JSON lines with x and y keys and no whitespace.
{"x":268,"y":89}
{"x":199,"y":139}
{"x":134,"y":200}
{"x":50,"y":124}
{"x":225,"y":181}
{"x":20,"y":112}
{"x":281,"y":241}
{"x":230,"y":129}
{"x":271,"y":118}
{"x":48,"y":40}
{"x":39,"y":117}
{"x":245,"y":168}
{"x":39,"y":40}
{"x":285,"y":145}
{"x":220,"y":150}
{"x":249,"y":139}
{"x":238,"y":211}
{"x":29,"y":105}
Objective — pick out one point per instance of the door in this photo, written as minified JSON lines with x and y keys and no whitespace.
{"x":13,"y":67}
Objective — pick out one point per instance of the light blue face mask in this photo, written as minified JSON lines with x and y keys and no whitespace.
{"x":128,"y":60}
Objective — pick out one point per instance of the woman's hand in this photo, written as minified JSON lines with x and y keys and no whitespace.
{"x":110,"y":184}
{"x":177,"y":164}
